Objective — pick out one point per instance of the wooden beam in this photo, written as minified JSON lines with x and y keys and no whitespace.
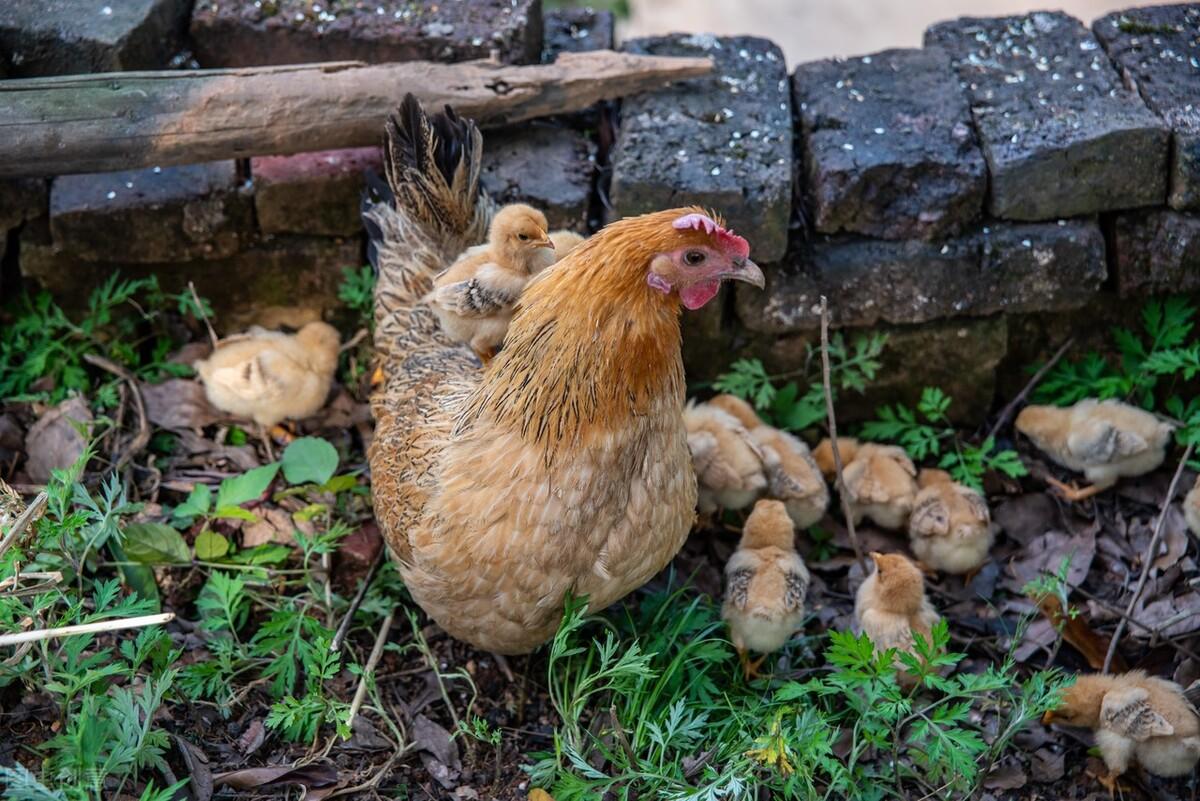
{"x":126,"y":120}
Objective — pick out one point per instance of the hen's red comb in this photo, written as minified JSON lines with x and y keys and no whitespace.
{"x":702,"y":222}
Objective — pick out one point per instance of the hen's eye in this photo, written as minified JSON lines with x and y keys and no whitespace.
{"x":693,"y":257}
{"x":523,"y":237}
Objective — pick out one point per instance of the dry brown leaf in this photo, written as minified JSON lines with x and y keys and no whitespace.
{"x":1026,"y":517}
{"x":1046,"y":766}
{"x":1173,"y":616}
{"x":1005,"y":777}
{"x":1175,"y":539}
{"x":52,"y":442}
{"x":319,"y":778}
{"x":252,"y":738}
{"x":178,"y":403}
{"x":1080,"y":636}
{"x":201,"y":784}
{"x":274,"y":525}
{"x":1044,"y":554}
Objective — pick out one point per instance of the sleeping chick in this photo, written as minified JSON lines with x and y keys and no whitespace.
{"x":766,"y":583}
{"x":792,"y":475}
{"x":564,"y":242}
{"x":269,"y":376}
{"x":1104,"y":440}
{"x":1137,"y":719}
{"x":1191,"y":508}
{"x":823,"y":455}
{"x":881,"y":485}
{"x":950,"y":527}
{"x":738,"y":408}
{"x":475,"y":296}
{"x":891,"y":604}
{"x":727,"y":460}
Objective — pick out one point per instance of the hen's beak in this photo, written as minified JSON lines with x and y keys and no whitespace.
{"x":745,"y":270}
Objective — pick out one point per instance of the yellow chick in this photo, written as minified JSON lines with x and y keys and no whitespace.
{"x":1191,"y":508}
{"x":823,"y":455}
{"x":792,"y":474}
{"x":766,"y":584}
{"x":475,"y":296}
{"x":891,"y":604}
{"x":564,"y":242}
{"x":950,"y":528}
{"x":1137,"y":719}
{"x":269,"y":376}
{"x":727,"y":460}
{"x":1104,"y":440}
{"x":881,"y":485}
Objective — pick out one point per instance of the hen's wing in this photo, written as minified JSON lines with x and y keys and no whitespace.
{"x":492,"y":290}
{"x":1127,"y":711}
{"x":439,"y":211}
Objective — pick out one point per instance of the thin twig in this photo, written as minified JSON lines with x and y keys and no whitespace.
{"x":86,"y":628}
{"x":1012,"y":405}
{"x":622,"y":738}
{"x":360,"y":694}
{"x":833,"y":437}
{"x":1151,"y":630}
{"x":212,"y":335}
{"x":142,"y":438}
{"x":359,"y":336}
{"x":343,"y":628}
{"x":31,"y":513}
{"x":1148,"y":556}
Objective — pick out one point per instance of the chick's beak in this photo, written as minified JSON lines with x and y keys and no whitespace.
{"x":745,"y":270}
{"x":545,"y":242}
{"x":1048,"y":718}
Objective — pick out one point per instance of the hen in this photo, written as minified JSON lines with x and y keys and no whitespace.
{"x":727,"y":460}
{"x":1104,"y":440}
{"x":1137,"y":719}
{"x":950,"y":527}
{"x":563,"y":466}
{"x":766,"y":583}
{"x":891,"y":604}
{"x":475,"y":296}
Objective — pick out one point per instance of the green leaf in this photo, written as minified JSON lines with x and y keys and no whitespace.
{"x":155,"y":543}
{"x":309,"y":460}
{"x":265,"y":554}
{"x":342,"y":483}
{"x":211,"y":546}
{"x":139,"y":577}
{"x":247,"y":487}
{"x":235,"y":513}
{"x":198,"y":502}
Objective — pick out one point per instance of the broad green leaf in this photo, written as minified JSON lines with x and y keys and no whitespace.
{"x":346,"y":481}
{"x":198,"y":502}
{"x":246,"y":487}
{"x":211,"y":546}
{"x":309,"y":460}
{"x":265,"y":554}
{"x":155,"y":543}
{"x":139,"y":577}
{"x":235,"y":513}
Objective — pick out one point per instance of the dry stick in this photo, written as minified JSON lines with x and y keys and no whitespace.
{"x":343,"y":628}
{"x":86,"y":628}
{"x":142,"y":438}
{"x":1148,"y":557}
{"x":1012,"y":405}
{"x":212,"y":335}
{"x":833,"y":437}
{"x":28,"y":516}
{"x":360,"y":694}
{"x":359,"y":336}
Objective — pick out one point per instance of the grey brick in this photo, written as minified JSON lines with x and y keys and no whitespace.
{"x":1062,"y":136}
{"x":312,"y":193}
{"x":1158,"y":48}
{"x":548,"y":167}
{"x":1156,"y":252}
{"x":22,"y":199}
{"x":889,"y":148}
{"x":724,"y":140}
{"x":576,"y":30}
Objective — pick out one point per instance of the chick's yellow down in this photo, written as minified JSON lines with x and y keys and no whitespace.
{"x":823,"y":455}
{"x":950,"y":528}
{"x":881,"y":485}
{"x":1191,"y":508}
{"x":1104,"y":440}
{"x":891,"y":604}
{"x":474,"y":298}
{"x":766,"y":584}
{"x":1137,"y":719}
{"x":564,"y":242}
{"x":269,"y":376}
{"x":727,"y":460}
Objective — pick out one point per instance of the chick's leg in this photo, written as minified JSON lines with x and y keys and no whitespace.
{"x":1073,"y":493}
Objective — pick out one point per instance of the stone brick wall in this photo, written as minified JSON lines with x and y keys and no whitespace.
{"x":1014,"y":181}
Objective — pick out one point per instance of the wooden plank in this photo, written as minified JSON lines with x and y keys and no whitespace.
{"x":125,"y":120}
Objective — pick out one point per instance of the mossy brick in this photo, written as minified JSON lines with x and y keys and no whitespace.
{"x":547,"y":166}
{"x":1061,"y":134}
{"x":1156,"y":252}
{"x":22,"y":199}
{"x":245,"y":33}
{"x":722,"y":141}
{"x":312,"y":193}
{"x":1158,"y":49}
{"x":575,"y":30}
{"x":889,"y":148}
{"x":282,"y":278}
{"x":999,"y":267}
{"x":196,"y":211}
{"x":63,"y":37}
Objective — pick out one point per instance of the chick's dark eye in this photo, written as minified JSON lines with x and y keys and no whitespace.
{"x":693,"y":257}
{"x":523,"y":237}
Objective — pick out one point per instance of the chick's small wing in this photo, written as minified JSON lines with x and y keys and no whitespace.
{"x":1097,"y":441}
{"x":258,"y":378}
{"x":796,"y":588}
{"x":930,"y":515}
{"x":1127,"y":711}
{"x":492,"y":290}
{"x":738,"y":590}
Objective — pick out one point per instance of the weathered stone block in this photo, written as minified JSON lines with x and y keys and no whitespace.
{"x":284,"y":279}
{"x":576,"y":30}
{"x":1156,"y":251}
{"x":1062,"y":136}
{"x":723,"y":141}
{"x":548,"y":167}
{"x":312,"y":193}
{"x":61,"y":37}
{"x":889,"y":149}
{"x":1158,"y":48}
{"x":999,"y":267}
{"x":22,"y":199}
{"x":245,"y":33}
{"x":151,"y":215}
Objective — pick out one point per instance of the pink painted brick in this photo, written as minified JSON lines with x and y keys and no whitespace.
{"x":312,"y":193}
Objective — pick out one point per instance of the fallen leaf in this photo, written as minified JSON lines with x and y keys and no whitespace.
{"x":1005,"y":777}
{"x":1040,"y":635}
{"x":1046,"y":766}
{"x":252,"y":738}
{"x":1079,"y":635}
{"x":1044,"y":554}
{"x":318,"y":778}
{"x":52,"y":443}
{"x":274,"y":525}
{"x":1174,"y":540}
{"x":433,"y":737}
{"x":201,"y":784}
{"x":1172,"y":616}
{"x":1026,"y":517}
{"x":178,"y":403}
{"x":361,"y":546}
{"x":442,"y":773}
